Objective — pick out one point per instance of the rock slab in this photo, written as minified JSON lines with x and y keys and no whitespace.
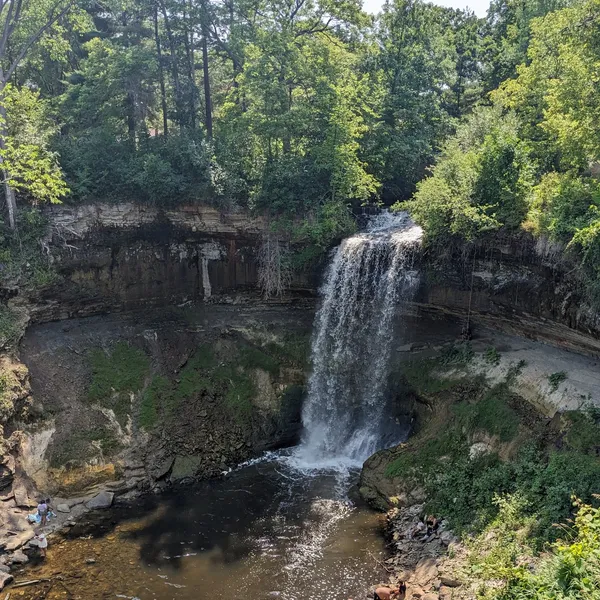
{"x":102,"y":500}
{"x":5,"y":579}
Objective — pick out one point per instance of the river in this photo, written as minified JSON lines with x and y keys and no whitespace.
{"x":266,"y":530}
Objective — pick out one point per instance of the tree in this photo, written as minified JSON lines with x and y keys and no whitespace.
{"x":22,"y":24}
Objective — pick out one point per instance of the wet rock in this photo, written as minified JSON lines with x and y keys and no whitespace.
{"x":19,"y":558}
{"x":102,"y":500}
{"x":185,"y":466}
{"x":5,"y":579}
{"x":450,"y":581}
{"x":64,"y":508}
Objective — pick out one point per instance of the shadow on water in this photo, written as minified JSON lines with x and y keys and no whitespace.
{"x":225,"y":515}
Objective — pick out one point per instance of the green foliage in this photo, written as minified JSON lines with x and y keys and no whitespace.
{"x":569,"y":571}
{"x":115,"y":375}
{"x":461,"y":485}
{"x":479,"y":183}
{"x":492,"y":413}
{"x":457,"y":354}
{"x":422,"y":377}
{"x":492,"y":356}
{"x":33,"y":168}
{"x":555,"y":379}
{"x":583,"y":433}
{"x":23,"y":260}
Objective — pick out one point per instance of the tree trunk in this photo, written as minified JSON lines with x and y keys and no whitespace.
{"x":207,"y":97}
{"x":9,"y":192}
{"x":188,"y":36}
{"x":174,"y":68}
{"x":161,"y":74}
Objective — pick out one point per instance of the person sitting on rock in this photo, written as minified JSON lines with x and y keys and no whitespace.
{"x":385,"y":592}
{"x":432,"y":524}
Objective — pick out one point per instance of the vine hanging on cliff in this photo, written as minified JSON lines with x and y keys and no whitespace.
{"x":274,"y":273}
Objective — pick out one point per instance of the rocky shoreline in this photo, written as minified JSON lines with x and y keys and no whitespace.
{"x":421,"y":559}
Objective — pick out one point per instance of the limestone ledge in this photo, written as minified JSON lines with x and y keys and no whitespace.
{"x":79,"y":221}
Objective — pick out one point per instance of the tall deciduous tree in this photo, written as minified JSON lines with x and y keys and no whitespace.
{"x":23,"y":23}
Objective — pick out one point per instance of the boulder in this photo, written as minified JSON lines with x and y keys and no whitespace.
{"x":22,"y":499}
{"x":19,"y":558}
{"x":430,"y":596}
{"x":425,"y":571}
{"x":4,"y":569}
{"x":64,"y":508}
{"x":450,"y":581}
{"x":101,"y":500}
{"x":5,"y":579}
{"x":185,"y":466}
{"x":16,"y":541}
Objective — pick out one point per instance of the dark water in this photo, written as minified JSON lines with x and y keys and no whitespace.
{"x":264,"y":531}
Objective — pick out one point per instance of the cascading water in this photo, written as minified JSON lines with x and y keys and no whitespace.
{"x":369,"y":274}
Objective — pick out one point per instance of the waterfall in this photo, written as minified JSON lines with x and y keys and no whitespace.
{"x":369,"y":274}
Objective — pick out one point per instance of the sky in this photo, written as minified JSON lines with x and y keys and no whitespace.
{"x":479,"y":7}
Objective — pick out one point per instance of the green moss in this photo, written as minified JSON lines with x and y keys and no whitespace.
{"x":457,"y":354}
{"x":240,"y":392}
{"x":78,"y":446}
{"x":292,"y":349}
{"x":421,"y":376}
{"x":250,"y":357}
{"x":492,"y":413}
{"x":115,"y":375}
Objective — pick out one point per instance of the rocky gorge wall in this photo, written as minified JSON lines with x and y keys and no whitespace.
{"x":125,"y":257}
{"x":513,"y":284}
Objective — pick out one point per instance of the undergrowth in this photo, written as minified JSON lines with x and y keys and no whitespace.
{"x":503,"y":566}
{"x":461,"y":479}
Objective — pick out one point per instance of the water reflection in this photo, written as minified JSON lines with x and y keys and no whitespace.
{"x":264,"y":531}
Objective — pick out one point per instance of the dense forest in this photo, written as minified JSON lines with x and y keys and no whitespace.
{"x":304,"y":110}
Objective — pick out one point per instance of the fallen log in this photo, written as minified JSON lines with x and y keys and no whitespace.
{"x":31,"y":582}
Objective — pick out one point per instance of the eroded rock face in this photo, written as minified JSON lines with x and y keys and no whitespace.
{"x":515,"y":284}
{"x":127,"y":256}
{"x":249,"y":400}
